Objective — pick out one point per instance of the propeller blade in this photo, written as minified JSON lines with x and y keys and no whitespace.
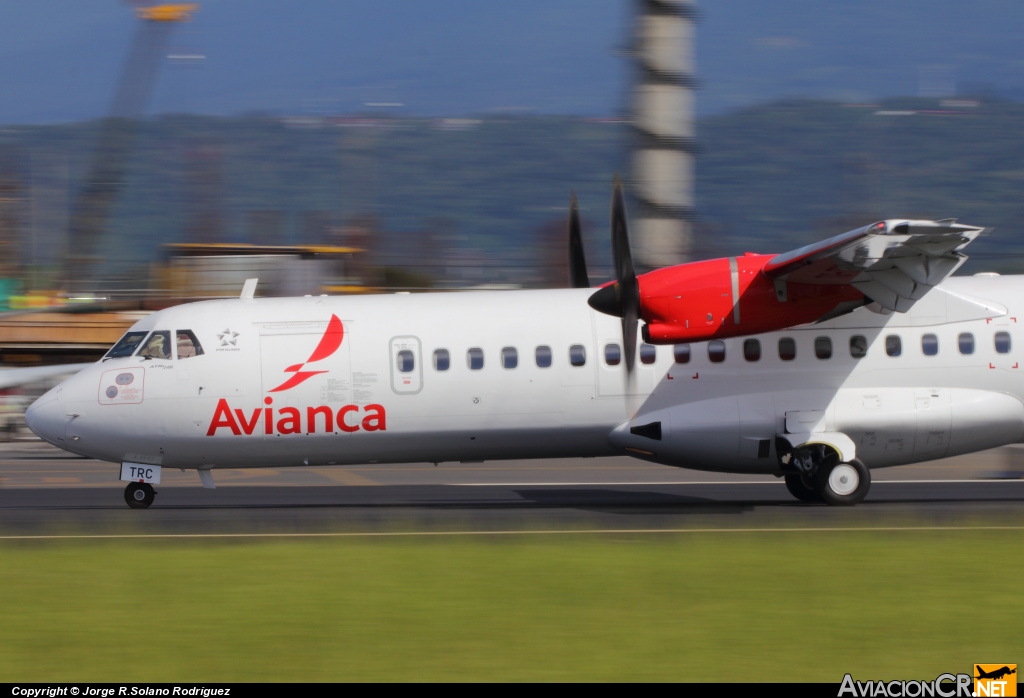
{"x":622,"y":298}
{"x":629,"y":321}
{"x":577,"y":263}
{"x":629,"y":289}
{"x":620,"y":237}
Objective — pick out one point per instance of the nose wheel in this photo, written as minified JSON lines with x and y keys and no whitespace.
{"x":139,"y":495}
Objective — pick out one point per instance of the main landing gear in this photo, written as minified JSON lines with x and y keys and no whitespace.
{"x":801,"y":487}
{"x":139,"y":495}
{"x":815,"y":474}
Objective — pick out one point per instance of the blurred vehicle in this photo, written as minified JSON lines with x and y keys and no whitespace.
{"x":19,"y":387}
{"x":218,"y":270}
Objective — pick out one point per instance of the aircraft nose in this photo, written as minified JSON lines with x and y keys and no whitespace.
{"x":46,"y":418}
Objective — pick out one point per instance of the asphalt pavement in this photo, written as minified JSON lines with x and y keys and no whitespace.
{"x":44,"y":491}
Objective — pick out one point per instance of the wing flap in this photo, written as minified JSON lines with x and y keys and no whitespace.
{"x":929,"y":271}
{"x":893,"y":263}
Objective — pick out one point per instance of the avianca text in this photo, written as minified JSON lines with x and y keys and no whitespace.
{"x":293,"y":420}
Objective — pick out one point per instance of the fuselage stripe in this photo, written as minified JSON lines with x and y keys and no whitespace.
{"x":734,"y":275}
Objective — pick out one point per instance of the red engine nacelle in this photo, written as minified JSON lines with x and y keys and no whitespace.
{"x":721,"y":298}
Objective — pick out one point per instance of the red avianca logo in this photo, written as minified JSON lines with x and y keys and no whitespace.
{"x":329,"y":344}
{"x":292,"y":420}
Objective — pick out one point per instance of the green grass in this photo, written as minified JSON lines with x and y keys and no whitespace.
{"x":691,"y":607}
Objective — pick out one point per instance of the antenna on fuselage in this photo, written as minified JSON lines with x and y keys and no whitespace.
{"x":248,"y":289}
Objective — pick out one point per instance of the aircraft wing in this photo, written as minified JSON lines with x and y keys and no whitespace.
{"x":13,"y":377}
{"x":893,"y":262}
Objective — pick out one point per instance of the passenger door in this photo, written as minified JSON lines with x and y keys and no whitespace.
{"x":406,"y":365}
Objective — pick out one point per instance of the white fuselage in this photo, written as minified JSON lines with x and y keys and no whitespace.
{"x":383,"y":394}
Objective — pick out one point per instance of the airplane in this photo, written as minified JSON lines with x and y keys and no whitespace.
{"x":995,"y":673}
{"x":16,"y":377}
{"x":816,"y":366}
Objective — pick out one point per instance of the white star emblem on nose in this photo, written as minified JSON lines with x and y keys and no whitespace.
{"x":227,"y":337}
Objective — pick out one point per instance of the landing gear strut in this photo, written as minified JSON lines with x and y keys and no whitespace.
{"x":139,"y":495}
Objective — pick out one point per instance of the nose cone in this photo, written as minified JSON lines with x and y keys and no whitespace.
{"x":607,"y":300}
{"x":46,"y":418}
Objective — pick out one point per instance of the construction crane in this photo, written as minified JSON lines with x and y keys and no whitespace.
{"x":114,"y":143}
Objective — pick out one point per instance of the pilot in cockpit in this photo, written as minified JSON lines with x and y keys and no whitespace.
{"x":156,"y":348}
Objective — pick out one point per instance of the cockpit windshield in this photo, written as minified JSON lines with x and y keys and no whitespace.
{"x":126,"y":346}
{"x":158,"y":346}
{"x":188,"y":345}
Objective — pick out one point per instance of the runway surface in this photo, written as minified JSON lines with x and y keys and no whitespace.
{"x":46,"y":492}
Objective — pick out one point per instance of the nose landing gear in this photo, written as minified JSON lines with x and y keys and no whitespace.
{"x":139,"y":495}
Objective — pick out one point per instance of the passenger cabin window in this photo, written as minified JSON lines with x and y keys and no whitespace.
{"x":543,"y":356}
{"x":752,"y":350}
{"x":406,"y":361}
{"x":188,"y":345}
{"x":929,"y":345}
{"x":681,"y":353}
{"x":577,"y":355}
{"x":823,"y":347}
{"x":442,"y":360}
{"x":126,"y":346}
{"x":1003,"y":342}
{"x":475,"y":358}
{"x":893,"y":345}
{"x":966,"y":343}
{"x":509,"y":357}
{"x":157,"y":346}
{"x":716,"y":351}
{"x":858,"y":346}
{"x":648,"y":353}
{"x":787,"y":349}
{"x":612,"y":354}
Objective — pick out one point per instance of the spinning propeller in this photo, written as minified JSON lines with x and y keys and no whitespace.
{"x":621,"y":298}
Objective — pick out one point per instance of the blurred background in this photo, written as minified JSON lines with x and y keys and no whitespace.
{"x":156,"y":153}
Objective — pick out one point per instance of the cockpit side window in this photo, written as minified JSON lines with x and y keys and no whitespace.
{"x":188,"y":345}
{"x":126,"y":346}
{"x":157,"y":346}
